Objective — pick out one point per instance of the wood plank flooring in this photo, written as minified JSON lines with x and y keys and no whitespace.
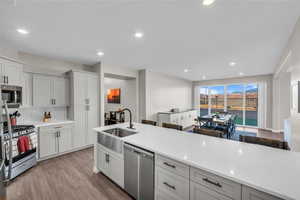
{"x":68,"y":177}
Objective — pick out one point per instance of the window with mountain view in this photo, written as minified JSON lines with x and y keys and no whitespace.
{"x":238,"y":99}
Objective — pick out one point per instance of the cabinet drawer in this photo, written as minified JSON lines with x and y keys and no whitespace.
{"x":217,"y":183}
{"x":172,"y":184}
{"x":200,"y":192}
{"x":173,"y":166}
{"x":252,"y":194}
{"x":160,"y":195}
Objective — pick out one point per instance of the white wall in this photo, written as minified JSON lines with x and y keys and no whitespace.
{"x":128,"y":96}
{"x":287,"y":73}
{"x":163,"y":92}
{"x":41,"y":64}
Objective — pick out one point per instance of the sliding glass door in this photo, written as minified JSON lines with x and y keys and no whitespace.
{"x":238,"y":99}
{"x":217,"y":99}
{"x":251,"y":108}
{"x":204,"y":101}
{"x":235,"y":102}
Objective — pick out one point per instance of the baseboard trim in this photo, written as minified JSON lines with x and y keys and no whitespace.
{"x":71,"y":151}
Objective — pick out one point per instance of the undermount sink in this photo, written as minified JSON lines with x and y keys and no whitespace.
{"x":119,"y":132}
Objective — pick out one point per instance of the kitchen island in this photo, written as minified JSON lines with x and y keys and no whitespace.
{"x":213,"y":168}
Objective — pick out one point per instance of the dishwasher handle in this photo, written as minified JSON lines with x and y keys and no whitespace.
{"x":138,"y":151}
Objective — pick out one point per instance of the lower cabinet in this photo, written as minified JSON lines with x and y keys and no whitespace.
{"x":111,"y":165}
{"x":54,"y":140}
{"x":200,"y":192}
{"x":252,"y":194}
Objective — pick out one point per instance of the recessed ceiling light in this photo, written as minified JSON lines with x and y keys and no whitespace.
{"x":232,"y":64}
{"x":241,"y":74}
{"x":22,"y":31}
{"x":100,"y":53}
{"x":208,"y":2}
{"x":186,"y":70}
{"x":203,"y":77}
{"x":138,"y":35}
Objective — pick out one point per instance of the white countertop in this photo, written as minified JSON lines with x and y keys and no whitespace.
{"x":50,"y":123}
{"x":267,"y":169}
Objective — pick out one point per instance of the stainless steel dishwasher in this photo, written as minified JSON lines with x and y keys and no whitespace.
{"x":139,"y":172}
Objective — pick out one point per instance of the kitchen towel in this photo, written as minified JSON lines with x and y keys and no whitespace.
{"x":23,"y":144}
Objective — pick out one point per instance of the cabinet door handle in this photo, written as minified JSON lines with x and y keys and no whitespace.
{"x":169,"y":165}
{"x":170,"y":186}
{"x":212,"y":182}
{"x":7,"y":79}
{"x":107,"y":158}
{"x":54,"y":100}
{"x":4,"y":79}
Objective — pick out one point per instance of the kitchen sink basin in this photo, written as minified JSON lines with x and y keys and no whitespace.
{"x":114,"y":143}
{"x":119,"y":132}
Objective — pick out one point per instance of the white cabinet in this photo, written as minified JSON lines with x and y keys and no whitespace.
{"x":111,"y":165}
{"x":50,"y":91}
{"x":65,"y":139}
{"x":171,"y":179}
{"x":27,"y":90}
{"x":185,"y":119}
{"x":200,"y":192}
{"x":11,"y":72}
{"x":47,"y":142}
{"x":84,"y":106}
{"x":252,"y":194}
{"x":54,"y":140}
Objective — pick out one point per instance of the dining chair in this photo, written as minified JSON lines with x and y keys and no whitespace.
{"x":172,"y":126}
{"x":208,"y":132}
{"x":149,"y":122}
{"x":265,"y":141}
{"x":205,"y":122}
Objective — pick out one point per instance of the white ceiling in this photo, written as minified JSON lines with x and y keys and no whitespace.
{"x":179,"y":34}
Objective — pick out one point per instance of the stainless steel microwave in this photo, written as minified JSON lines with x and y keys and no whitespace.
{"x":12,"y":95}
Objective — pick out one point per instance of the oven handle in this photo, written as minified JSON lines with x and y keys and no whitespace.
{"x":10,"y":140}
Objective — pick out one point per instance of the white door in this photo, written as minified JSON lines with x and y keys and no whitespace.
{"x":80,"y":126}
{"x":13,"y":73}
{"x":48,"y":142}
{"x":103,"y":160}
{"x":199,"y":192}
{"x":65,"y":139}
{"x":80,"y":89}
{"x":27,"y":90}
{"x":92,"y":90}
{"x":59,"y":91}
{"x":116,"y":167}
{"x":93,"y":122}
{"x":42,"y":91}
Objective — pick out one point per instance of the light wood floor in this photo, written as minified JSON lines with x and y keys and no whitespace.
{"x":69,"y":177}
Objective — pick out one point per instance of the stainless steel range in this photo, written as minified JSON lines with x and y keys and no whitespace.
{"x":19,"y":145}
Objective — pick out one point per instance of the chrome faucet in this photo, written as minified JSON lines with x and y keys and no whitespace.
{"x":130,"y":117}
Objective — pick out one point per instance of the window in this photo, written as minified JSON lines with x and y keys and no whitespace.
{"x":204,"y":101}
{"x":217,"y":99}
{"x":235,"y":102}
{"x":238,"y":99}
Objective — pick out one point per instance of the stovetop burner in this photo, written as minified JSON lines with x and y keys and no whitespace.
{"x":19,"y":130}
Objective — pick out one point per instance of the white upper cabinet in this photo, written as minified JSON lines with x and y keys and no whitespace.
{"x":50,"y":91}
{"x":11,"y":72}
{"x":60,"y":91}
{"x":42,"y":91}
